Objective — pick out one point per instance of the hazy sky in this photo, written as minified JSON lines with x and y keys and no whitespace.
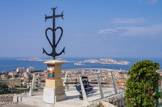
{"x":92,"y":28}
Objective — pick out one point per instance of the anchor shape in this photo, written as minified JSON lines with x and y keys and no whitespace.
{"x":54,"y":45}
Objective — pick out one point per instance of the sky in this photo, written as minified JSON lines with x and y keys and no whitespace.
{"x":92,"y":28}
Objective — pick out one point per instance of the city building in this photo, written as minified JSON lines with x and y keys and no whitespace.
{"x":29,"y":69}
{"x":20,"y":69}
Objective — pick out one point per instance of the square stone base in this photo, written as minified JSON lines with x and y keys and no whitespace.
{"x":52,"y":95}
{"x":49,"y":95}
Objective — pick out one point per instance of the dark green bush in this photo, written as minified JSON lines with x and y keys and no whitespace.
{"x":141,"y":84}
{"x":3,"y":88}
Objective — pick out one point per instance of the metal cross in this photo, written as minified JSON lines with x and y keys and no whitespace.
{"x":54,"y":45}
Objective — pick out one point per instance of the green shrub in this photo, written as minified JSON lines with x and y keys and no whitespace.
{"x":3,"y":88}
{"x":141,"y":84}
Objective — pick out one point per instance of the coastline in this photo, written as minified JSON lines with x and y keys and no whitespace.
{"x":10,"y":64}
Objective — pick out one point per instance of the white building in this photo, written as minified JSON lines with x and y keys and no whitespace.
{"x":20,"y":69}
{"x":29,"y":69}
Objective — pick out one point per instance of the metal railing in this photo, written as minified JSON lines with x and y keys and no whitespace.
{"x":96,"y":76}
{"x":159,"y":89}
{"x":104,"y":81}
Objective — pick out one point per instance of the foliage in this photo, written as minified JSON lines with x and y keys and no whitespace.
{"x":3,"y":88}
{"x":141,"y":84}
{"x":9,"y":76}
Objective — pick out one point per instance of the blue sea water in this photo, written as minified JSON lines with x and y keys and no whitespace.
{"x":10,"y":64}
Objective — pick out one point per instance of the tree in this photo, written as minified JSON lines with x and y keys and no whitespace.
{"x":141,"y":84}
{"x":9,"y":76}
{"x":3,"y":88}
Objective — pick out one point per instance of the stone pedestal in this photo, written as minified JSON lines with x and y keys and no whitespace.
{"x":48,"y":95}
{"x":54,"y":90}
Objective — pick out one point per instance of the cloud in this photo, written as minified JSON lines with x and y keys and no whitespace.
{"x":128,"y":20}
{"x":106,"y":31}
{"x":136,"y":31}
{"x":148,"y":1}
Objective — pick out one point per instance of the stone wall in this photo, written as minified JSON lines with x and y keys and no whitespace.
{"x":114,"y":101}
{"x":6,"y":97}
{"x":12,"y":82}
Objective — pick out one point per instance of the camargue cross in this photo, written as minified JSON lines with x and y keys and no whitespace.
{"x":54,"y":45}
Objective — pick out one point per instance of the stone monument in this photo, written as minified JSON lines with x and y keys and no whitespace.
{"x":54,"y":90}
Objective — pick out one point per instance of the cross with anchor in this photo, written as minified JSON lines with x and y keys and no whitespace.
{"x":54,"y":45}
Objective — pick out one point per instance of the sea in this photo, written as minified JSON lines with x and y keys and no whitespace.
{"x":10,"y":64}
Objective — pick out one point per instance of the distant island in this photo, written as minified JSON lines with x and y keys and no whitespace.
{"x":39,"y":59}
{"x":102,"y":61}
{"x":32,"y":59}
{"x":79,"y":63}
